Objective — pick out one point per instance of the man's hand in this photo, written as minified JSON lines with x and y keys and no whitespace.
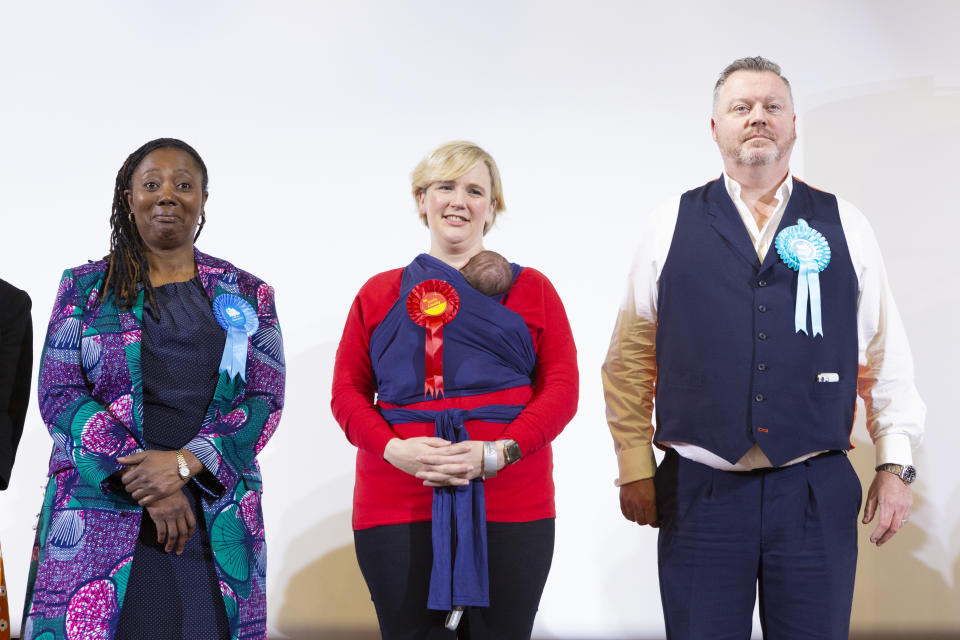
{"x":638,"y":502}
{"x":890,"y":500}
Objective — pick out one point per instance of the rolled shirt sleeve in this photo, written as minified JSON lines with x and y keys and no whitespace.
{"x":629,"y":372}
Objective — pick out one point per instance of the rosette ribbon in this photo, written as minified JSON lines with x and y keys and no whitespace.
{"x":804,"y":249}
{"x":240,"y":320}
{"x":432,"y":304}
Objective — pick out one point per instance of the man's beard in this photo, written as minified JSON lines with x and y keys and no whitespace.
{"x":758,"y":157}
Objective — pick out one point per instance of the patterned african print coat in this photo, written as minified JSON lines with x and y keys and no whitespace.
{"x":91,"y":399}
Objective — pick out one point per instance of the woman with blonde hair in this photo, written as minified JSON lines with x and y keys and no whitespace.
{"x":452,"y":398}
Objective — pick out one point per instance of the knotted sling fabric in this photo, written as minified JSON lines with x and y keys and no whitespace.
{"x":459,"y":574}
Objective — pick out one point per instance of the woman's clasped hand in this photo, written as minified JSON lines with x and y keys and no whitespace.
{"x":439,"y":462}
{"x":154,"y":474}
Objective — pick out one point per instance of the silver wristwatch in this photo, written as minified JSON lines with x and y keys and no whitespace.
{"x":905,"y":472}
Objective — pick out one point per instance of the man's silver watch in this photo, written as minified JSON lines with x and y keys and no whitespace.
{"x":905,"y":472}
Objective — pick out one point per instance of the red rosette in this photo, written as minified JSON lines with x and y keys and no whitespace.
{"x":432,"y":304}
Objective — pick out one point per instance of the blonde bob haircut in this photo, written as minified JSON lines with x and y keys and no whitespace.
{"x":450,"y":161}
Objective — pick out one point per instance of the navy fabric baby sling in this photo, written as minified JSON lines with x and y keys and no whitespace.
{"x":486,"y":347}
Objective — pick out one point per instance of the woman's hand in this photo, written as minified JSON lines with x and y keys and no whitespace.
{"x":409,"y":456}
{"x":174,"y":520}
{"x":455,"y":465}
{"x":152,"y":475}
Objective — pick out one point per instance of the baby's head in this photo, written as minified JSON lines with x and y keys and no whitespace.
{"x":489,"y":273}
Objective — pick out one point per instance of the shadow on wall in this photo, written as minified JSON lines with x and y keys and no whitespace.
{"x":891,"y":151}
{"x":319,"y":592}
{"x":327,"y":599}
{"x":896,"y":593}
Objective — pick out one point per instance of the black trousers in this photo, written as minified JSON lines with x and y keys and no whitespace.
{"x":396,"y":560}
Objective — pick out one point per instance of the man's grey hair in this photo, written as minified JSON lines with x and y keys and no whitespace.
{"x":756,"y":63}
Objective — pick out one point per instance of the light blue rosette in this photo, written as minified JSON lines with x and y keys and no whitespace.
{"x":804,"y":249}
{"x":240,"y":320}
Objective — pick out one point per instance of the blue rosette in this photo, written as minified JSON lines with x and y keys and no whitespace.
{"x":240,"y":320}
{"x":805,"y":250}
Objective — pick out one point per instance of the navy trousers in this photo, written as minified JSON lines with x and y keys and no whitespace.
{"x":792,"y":531}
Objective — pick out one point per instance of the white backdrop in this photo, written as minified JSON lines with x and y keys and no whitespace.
{"x":311,"y":115}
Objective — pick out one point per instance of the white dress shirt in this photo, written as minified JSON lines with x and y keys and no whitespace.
{"x":895,"y":413}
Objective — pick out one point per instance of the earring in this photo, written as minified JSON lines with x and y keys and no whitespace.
{"x":130,"y":217}
{"x":203,"y":221}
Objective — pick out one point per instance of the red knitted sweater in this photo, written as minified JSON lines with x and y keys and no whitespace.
{"x":521,"y":492}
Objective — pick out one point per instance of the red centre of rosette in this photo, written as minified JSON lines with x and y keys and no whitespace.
{"x":432,"y":304}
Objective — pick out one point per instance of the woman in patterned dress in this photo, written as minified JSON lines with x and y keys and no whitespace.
{"x":158,"y":400}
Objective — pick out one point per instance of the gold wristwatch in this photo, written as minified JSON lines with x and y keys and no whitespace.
{"x":182,"y":467}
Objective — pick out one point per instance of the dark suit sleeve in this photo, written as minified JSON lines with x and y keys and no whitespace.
{"x":16,"y":364}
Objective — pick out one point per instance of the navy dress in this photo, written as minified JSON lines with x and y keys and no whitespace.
{"x":172,"y":597}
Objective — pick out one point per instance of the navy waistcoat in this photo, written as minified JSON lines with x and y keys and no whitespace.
{"x":731,"y":369}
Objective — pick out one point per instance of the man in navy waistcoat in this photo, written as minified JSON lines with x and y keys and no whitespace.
{"x":757,"y":310}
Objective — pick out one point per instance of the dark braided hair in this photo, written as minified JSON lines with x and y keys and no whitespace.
{"x":127,"y":261}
